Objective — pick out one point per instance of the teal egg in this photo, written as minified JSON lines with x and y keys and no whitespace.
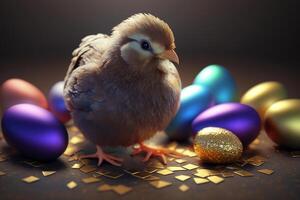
{"x":193,"y":100}
{"x":219,"y":80}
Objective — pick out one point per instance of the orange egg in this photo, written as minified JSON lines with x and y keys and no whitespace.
{"x":16,"y":91}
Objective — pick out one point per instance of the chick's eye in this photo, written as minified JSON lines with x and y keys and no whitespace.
{"x":145,"y":45}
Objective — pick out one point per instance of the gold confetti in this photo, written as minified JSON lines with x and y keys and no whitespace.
{"x":200,"y":180}
{"x":90,"y":180}
{"x":77,"y":166}
{"x":243,"y":173}
{"x":182,"y":177}
{"x":157,"y":165}
{"x":256,"y":158}
{"x":215,"y":179}
{"x":48,"y":173}
{"x":180,"y":150}
{"x":142,"y":175}
{"x":73,"y":158}
{"x":203,"y":173}
{"x":266,"y":171}
{"x":189,"y":153}
{"x":71,"y":150}
{"x":113,"y":175}
{"x":2,"y":173}
{"x":88,"y":168}
{"x":295,"y":154}
{"x":121,"y":189}
{"x":190,"y":166}
{"x":164,"y":172}
{"x":30,"y":179}
{"x":256,"y":163}
{"x":150,"y":170}
{"x":172,"y":146}
{"x":152,"y":178}
{"x":160,"y":184}
{"x":102,"y":172}
{"x":72,"y":185}
{"x":76,"y":140}
{"x":175,"y":168}
{"x":183,"y":188}
{"x":105,"y":187}
{"x":227,"y":174}
{"x":179,"y":161}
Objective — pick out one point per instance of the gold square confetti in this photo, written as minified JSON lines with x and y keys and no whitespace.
{"x":179,"y":161}
{"x":256,"y":158}
{"x":77,"y":166}
{"x":30,"y":179}
{"x":48,"y":173}
{"x":227,"y":174}
{"x":73,"y":158}
{"x":2,"y":173}
{"x":175,"y":168}
{"x":190,"y":166}
{"x":256,"y":163}
{"x":266,"y":171}
{"x":164,"y":172}
{"x":200,"y":180}
{"x":179,"y":150}
{"x":113,"y":175}
{"x":105,"y":187}
{"x":157,"y":165}
{"x":202,"y":173}
{"x":71,"y":150}
{"x":183,"y":188}
{"x":76,"y":140}
{"x":150,"y":170}
{"x":88,"y":168}
{"x":172,"y":146}
{"x":182,"y":177}
{"x":243,"y":173}
{"x":152,"y":178}
{"x":121,"y":189}
{"x":102,"y":171}
{"x":142,"y":175}
{"x":295,"y":154}
{"x":72,"y":185}
{"x":189,"y":153}
{"x":90,"y":180}
{"x":160,"y":184}
{"x":215,"y":179}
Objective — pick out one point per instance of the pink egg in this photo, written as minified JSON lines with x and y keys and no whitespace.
{"x":17,"y":91}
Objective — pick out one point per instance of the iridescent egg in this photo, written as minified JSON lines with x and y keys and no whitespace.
{"x":193,"y":100}
{"x":219,"y":81}
{"x":34,"y":132}
{"x":17,"y":91}
{"x":56,"y":102}
{"x":240,"y":119}
{"x":263,"y":95}
{"x":282,"y":123}
{"x":217,"y":145}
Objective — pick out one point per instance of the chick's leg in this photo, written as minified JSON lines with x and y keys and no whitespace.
{"x":100,"y":155}
{"x":155,"y":151}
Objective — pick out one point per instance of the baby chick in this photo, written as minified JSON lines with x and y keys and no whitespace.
{"x":123,"y":88}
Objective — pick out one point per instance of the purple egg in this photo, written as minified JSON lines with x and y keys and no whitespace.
{"x":57,"y":104}
{"x":238,"y":118}
{"x":34,"y":132}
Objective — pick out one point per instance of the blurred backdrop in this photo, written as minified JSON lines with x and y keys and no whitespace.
{"x":255,"y":39}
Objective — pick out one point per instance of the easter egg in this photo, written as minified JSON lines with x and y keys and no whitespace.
{"x":219,"y":81}
{"x":240,"y":119}
{"x":34,"y":132}
{"x":57,"y":103}
{"x":217,"y":145}
{"x":263,"y":95}
{"x":17,"y":91}
{"x":282,"y":123}
{"x":193,"y":100}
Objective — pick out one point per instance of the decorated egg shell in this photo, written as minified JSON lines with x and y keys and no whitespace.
{"x":217,"y":145}
{"x":193,"y":100}
{"x":282,"y":123}
{"x":57,"y":103}
{"x":219,"y":81}
{"x":34,"y":132}
{"x":17,"y":91}
{"x":240,"y":119}
{"x":263,"y":95}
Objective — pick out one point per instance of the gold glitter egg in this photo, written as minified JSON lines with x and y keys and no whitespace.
{"x":217,"y":145}
{"x":282,"y":123}
{"x":263,"y":95}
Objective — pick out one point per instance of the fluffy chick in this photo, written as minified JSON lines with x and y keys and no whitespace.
{"x":123,"y":88}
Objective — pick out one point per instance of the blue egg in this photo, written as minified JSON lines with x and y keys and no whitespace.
{"x":219,"y":81}
{"x":56,"y":102}
{"x":34,"y":132}
{"x":193,"y":100}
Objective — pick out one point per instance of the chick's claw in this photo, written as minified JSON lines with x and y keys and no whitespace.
{"x":155,"y":151}
{"x":100,"y":155}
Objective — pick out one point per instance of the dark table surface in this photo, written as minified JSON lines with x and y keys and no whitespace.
{"x":284,"y":183}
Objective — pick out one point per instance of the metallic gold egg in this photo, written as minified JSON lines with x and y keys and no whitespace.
{"x":217,"y":145}
{"x":263,"y":95}
{"x":282,"y":123}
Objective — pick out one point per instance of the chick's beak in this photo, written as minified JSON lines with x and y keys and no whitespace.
{"x":170,"y":55}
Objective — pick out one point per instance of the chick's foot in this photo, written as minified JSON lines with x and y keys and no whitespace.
{"x":100,"y":155}
{"x":155,"y":151}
